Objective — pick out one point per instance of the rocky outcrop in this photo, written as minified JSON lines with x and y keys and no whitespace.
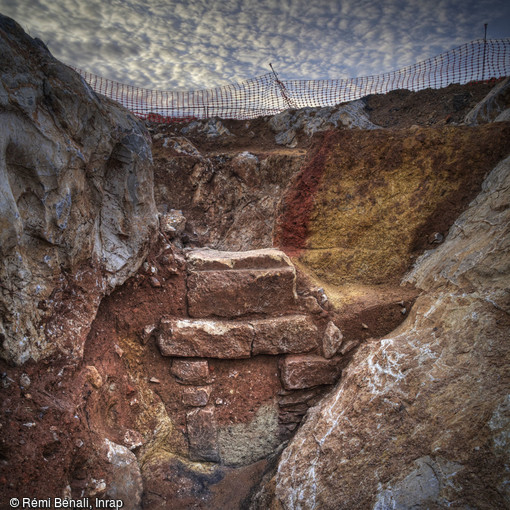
{"x":420,"y":418}
{"x":229,"y":200}
{"x":495,"y":107}
{"x":289,"y":125}
{"x":77,"y":208}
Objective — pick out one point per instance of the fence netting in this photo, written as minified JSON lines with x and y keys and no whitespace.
{"x":478,"y":60}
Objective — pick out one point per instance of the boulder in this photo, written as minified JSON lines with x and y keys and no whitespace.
{"x":332,"y":340}
{"x":235,"y":293}
{"x":191,"y":372}
{"x":196,"y":396}
{"x":309,"y":120}
{"x":77,"y":211}
{"x":210,"y":128}
{"x":125,"y":479}
{"x":492,"y":106}
{"x":421,"y":418}
{"x":232,"y":284}
{"x":205,"y":338}
{"x":288,"y":334}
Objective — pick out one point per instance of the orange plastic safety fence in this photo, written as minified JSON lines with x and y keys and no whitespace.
{"x":478,"y":60}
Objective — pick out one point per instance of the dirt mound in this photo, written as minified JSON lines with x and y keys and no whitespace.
{"x":396,"y":109}
{"x":428,"y":107}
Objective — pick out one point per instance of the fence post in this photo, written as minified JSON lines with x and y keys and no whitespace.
{"x":484,"y":50}
{"x":281,"y":86}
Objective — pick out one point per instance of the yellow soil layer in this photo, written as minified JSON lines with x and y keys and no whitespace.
{"x":383,"y":193}
{"x":357,"y":296}
{"x":152,"y":413}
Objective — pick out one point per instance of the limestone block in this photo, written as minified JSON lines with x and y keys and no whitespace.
{"x":293,"y":398}
{"x":298,"y":371}
{"x":205,"y":338}
{"x":332,"y":340}
{"x":205,"y":259}
{"x":237,"y":339}
{"x":202,"y":434}
{"x":237,"y":293}
{"x":125,"y":479}
{"x":191,"y":372}
{"x":196,"y":396}
{"x":289,"y":334}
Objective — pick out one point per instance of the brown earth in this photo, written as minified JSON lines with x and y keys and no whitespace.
{"x":428,"y":107}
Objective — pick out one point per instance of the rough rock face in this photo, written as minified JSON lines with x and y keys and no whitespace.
{"x":494,"y":107}
{"x":421,"y":418}
{"x":77,"y":207}
{"x":229,"y":201}
{"x":288,"y":124}
{"x":125,"y":477}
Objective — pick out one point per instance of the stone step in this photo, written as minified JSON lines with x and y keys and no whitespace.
{"x":233,"y":284}
{"x":205,"y":338}
{"x":205,"y":259}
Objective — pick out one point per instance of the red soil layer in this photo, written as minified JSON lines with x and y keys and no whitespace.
{"x":292,"y":226}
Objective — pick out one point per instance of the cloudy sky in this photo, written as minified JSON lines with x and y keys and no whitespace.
{"x":196,"y":44}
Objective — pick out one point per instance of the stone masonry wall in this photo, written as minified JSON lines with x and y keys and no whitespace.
{"x":241,"y":305}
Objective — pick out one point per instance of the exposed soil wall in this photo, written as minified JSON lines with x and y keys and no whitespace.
{"x":367,"y":203}
{"x":195,"y":420}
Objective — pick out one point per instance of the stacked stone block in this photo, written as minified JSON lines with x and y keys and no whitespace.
{"x":244,"y":304}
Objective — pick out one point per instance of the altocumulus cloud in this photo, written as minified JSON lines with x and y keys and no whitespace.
{"x":194,"y":44}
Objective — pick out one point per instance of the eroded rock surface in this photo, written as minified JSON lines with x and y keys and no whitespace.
{"x":290,"y":124}
{"x":229,"y":200}
{"x":493,"y":108}
{"x":418,"y":419}
{"x":77,"y":208}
